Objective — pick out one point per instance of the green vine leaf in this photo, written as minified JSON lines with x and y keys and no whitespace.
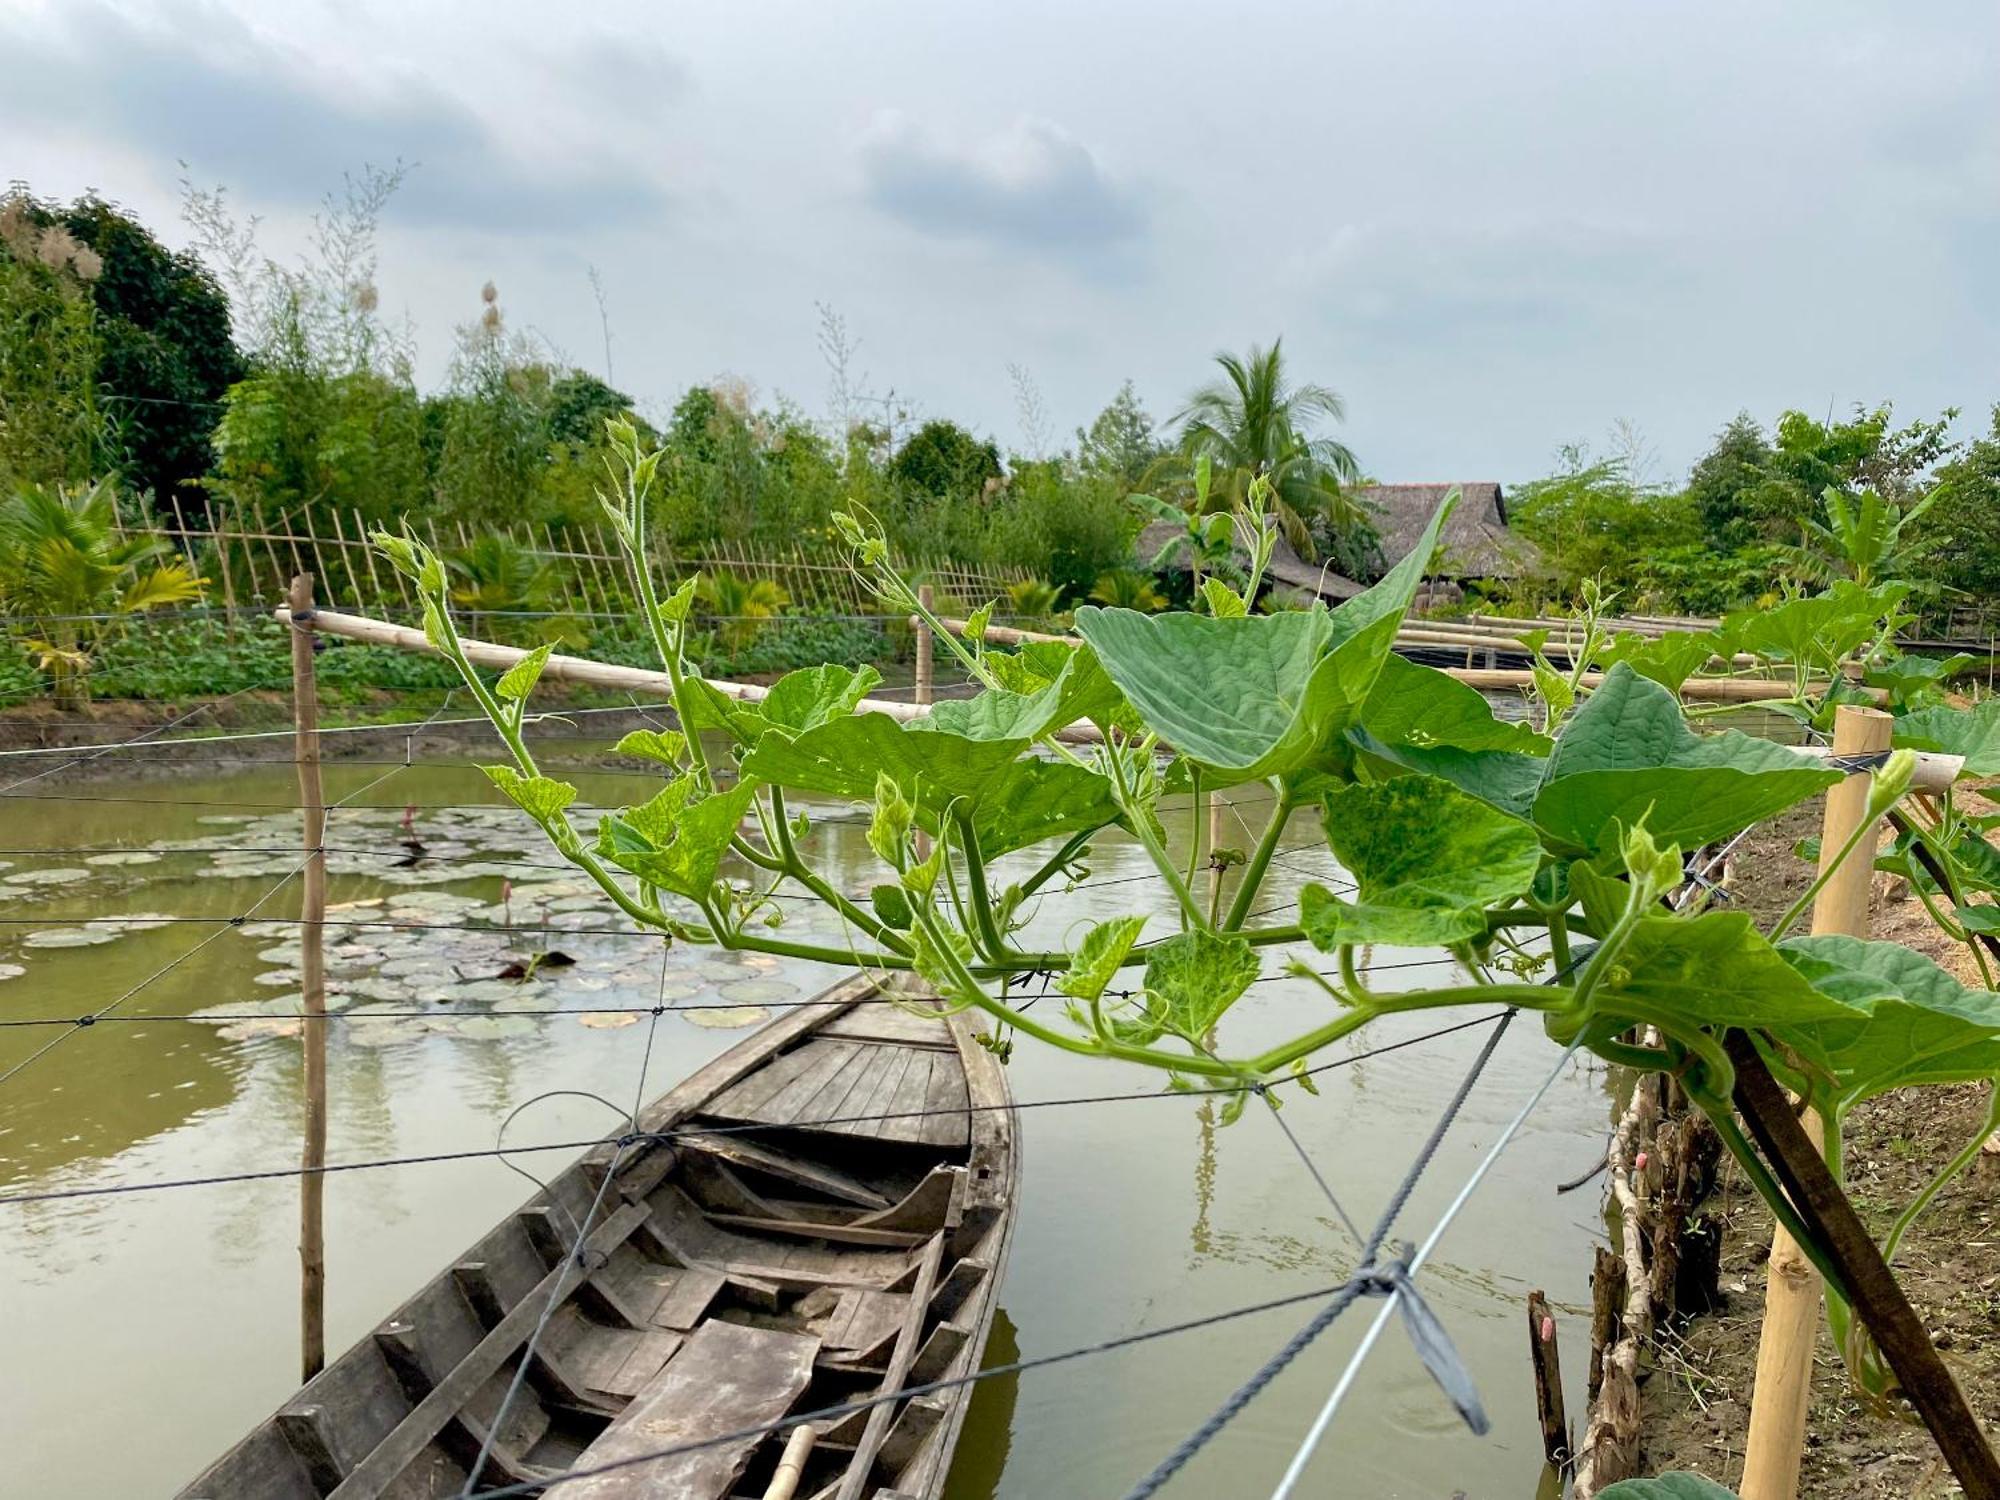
{"x":893,"y":907}
{"x":1259,"y":696}
{"x":537,"y":796}
{"x":1427,"y":861}
{"x":889,"y":828}
{"x":1043,"y":688}
{"x":1669,"y":659}
{"x":1628,"y":757}
{"x":676,"y":840}
{"x":1973,"y":733}
{"x":667,"y":746}
{"x":1716,"y":969}
{"x":519,"y":680}
{"x":798,"y":701}
{"x":1224,"y":603}
{"x":1097,"y":958}
{"x":1193,"y":978}
{"x":1416,"y":705}
{"x":1667,"y":1487}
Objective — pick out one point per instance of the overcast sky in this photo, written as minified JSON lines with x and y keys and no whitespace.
{"x":1492,"y":228}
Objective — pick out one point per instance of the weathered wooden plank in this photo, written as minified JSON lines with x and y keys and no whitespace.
{"x":947,"y":1103}
{"x":889,"y":1023}
{"x":960,"y":1286}
{"x":646,"y":1356}
{"x":838,"y":1234}
{"x":862,"y":1320}
{"x":903,"y":1115}
{"x":906,"y":1435}
{"x":926,"y":1208}
{"x":835,"y":1098}
{"x":869,"y":1107}
{"x":744,"y":1152}
{"x":375,"y":1473}
{"x":725,"y":1377}
{"x":818,"y":1062}
{"x":935,"y":1357}
{"x":855,"y":1482}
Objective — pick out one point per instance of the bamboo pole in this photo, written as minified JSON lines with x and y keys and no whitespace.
{"x":923,"y":647}
{"x":1783,"y":1389}
{"x":1547,"y":1362}
{"x":347,"y":553}
{"x":1712,"y":689}
{"x":1935,"y":772}
{"x":312,"y":983}
{"x":792,"y":1466}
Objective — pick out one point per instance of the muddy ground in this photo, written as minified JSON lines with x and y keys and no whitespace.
{"x":1697,"y":1402}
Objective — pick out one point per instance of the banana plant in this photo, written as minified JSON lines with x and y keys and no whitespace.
{"x":1861,"y":536}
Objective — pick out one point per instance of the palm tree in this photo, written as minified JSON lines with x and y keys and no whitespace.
{"x":1253,"y":421}
{"x":66,"y":571}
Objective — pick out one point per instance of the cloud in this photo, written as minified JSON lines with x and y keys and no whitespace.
{"x":200,"y":86}
{"x":1033,"y":187}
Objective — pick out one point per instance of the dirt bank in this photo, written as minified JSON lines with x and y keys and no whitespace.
{"x":1697,"y":1403}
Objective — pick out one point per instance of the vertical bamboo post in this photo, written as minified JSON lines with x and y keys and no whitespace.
{"x":347,"y":553}
{"x":312,"y":985}
{"x":1547,"y":1363}
{"x":1783,"y":1388}
{"x":923,"y":647}
{"x":221,"y":538}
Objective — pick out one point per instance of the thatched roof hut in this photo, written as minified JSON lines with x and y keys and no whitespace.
{"x":1477,"y":543}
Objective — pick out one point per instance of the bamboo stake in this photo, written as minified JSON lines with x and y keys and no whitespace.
{"x":347,"y":553}
{"x":228,"y":588}
{"x":1783,"y":1388}
{"x":1547,"y":1363}
{"x":791,"y":1468}
{"x":923,"y":649}
{"x":312,"y":984}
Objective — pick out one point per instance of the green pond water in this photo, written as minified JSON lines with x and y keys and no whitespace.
{"x":144,"y":1333}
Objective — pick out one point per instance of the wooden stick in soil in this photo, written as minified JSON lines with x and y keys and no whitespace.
{"x":1783,"y":1389}
{"x":920,"y":692}
{"x":1879,"y":1302}
{"x":1547,"y":1361}
{"x":312,"y":985}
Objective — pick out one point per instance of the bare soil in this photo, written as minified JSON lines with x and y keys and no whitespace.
{"x":1697,"y":1402}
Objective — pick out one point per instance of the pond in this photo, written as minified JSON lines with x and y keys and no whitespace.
{"x":147,"y":1331}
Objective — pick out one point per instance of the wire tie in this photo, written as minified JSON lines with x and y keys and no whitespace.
{"x":86,"y":1020}
{"x":236,"y":921}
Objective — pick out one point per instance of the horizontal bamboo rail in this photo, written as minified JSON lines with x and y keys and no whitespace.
{"x":1935,"y":773}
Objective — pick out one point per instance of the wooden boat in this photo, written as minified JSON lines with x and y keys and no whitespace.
{"x":829,"y":1221}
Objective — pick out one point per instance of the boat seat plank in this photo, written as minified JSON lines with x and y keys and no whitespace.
{"x":891,"y":1024}
{"x":948,"y":1121}
{"x":862,"y":1320}
{"x":660,"y":1296}
{"x":742,"y":1152}
{"x":645,"y":1357}
{"x":725,"y":1377}
{"x":925,"y":1209}
{"x":837,"y":1234}
{"x":904,"y":1116}
{"x":814,"y":1065}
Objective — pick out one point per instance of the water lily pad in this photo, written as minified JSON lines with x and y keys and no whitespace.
{"x":279,"y":978}
{"x":486,"y":1028}
{"x":609,"y":1020}
{"x":11,"y":971}
{"x":758,"y":991}
{"x":61,"y":875}
{"x":69,"y":937}
{"x":261,"y":1029}
{"x":283,"y":953}
{"x":729,"y":1017}
{"x":719,"y":969}
{"x":125,"y":857}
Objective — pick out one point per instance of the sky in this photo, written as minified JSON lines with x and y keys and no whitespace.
{"x":1494,"y":229}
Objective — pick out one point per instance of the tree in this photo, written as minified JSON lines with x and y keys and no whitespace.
{"x":1956,"y":543}
{"x":1122,"y":441}
{"x":165,"y":353}
{"x":1810,"y":457}
{"x":1590,"y":521}
{"x":579,"y":403}
{"x":1253,"y":421}
{"x":944,"y":461}
{"x":1724,"y":481}
{"x":51,"y":426}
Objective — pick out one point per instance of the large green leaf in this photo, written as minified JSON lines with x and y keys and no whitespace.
{"x":1669,"y":659}
{"x":1716,"y":969}
{"x":1503,"y":779}
{"x":677,"y":839}
{"x":1973,"y":733}
{"x":1915,"y":1023}
{"x":540,"y":797}
{"x":1427,"y":861}
{"x":1193,"y":978}
{"x":1817,"y":631}
{"x":1667,"y":1487}
{"x":1263,"y":696}
{"x":798,"y":701}
{"x":1627,"y":756}
{"x":1040,"y":693}
{"x":1412,"y":704}
{"x":1097,"y":958}
{"x":1013,"y":802}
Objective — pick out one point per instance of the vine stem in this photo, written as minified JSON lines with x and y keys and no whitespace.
{"x":1260,"y":861}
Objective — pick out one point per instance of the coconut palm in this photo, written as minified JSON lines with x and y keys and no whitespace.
{"x":1254,"y":421}
{"x":67,"y":573}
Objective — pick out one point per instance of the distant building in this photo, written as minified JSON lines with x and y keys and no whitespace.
{"x":1476,"y":543}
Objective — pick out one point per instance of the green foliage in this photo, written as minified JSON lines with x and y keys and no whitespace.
{"x":52,"y":428}
{"x":1121,"y":443}
{"x":1594,"y":521}
{"x":1956,"y":543}
{"x":943,"y":460}
{"x":1973,"y":733}
{"x":1667,"y":1487}
{"x":1127,"y":589}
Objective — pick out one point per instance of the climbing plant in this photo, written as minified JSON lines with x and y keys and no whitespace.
{"x":1551,"y":866}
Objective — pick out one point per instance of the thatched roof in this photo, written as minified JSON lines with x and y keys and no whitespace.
{"x":1477,"y":543}
{"x":1287,"y":567}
